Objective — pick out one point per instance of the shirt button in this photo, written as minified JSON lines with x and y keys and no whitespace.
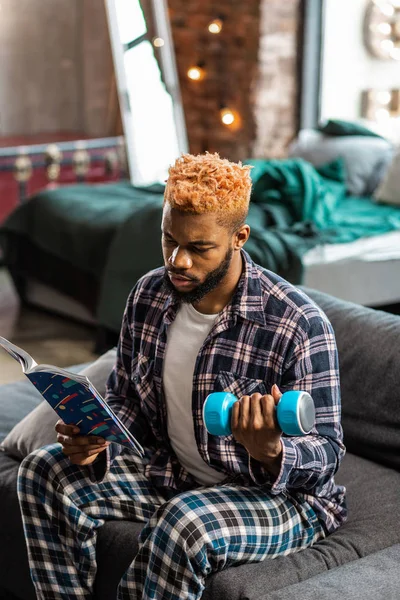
{"x":135,"y":378}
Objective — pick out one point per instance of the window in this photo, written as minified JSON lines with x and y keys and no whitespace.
{"x":151,"y":108}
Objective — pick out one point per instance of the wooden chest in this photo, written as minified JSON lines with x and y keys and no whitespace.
{"x":28,"y":164}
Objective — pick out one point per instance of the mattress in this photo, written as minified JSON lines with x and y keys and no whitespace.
{"x":366,"y":271}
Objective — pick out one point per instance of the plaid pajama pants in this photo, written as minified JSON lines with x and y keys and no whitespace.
{"x":185,"y":538}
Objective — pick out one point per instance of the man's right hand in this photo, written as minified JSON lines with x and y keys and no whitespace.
{"x":80,"y":449}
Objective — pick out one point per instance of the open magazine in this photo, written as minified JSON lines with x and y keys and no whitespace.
{"x":74,"y":399}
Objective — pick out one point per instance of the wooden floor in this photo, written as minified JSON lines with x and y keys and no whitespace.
{"x":49,"y":339}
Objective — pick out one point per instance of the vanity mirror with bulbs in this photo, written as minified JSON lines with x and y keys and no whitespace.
{"x":382,"y":29}
{"x":351,"y":66}
{"x":360,"y":65}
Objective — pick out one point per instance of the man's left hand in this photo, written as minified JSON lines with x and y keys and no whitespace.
{"x":254,"y":425}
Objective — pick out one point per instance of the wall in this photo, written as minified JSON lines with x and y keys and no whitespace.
{"x":277,"y":88}
{"x":348,"y":68}
{"x":56,"y":71}
{"x":251,"y":65}
{"x":56,"y":67}
{"x":100,"y":100}
{"x":230,"y":61}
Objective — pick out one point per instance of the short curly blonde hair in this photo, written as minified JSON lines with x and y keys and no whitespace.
{"x":207,"y":183}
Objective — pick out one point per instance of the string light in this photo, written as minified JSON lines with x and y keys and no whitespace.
{"x":215,"y":26}
{"x":196,"y":73}
{"x":158,"y":42}
{"x":227,"y":116}
{"x":230,"y":118}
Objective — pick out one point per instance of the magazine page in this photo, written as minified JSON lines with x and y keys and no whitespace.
{"x":62,"y":372}
{"x":105,"y":406}
{"x":78,"y":403}
{"x":25,"y":359}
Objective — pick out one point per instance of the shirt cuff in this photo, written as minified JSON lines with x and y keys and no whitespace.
{"x":259,"y":474}
{"x":101,"y":466}
{"x":289,"y":457}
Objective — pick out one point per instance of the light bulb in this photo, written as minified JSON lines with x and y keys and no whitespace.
{"x":395,"y":53}
{"x":384,"y":28}
{"x":387,"y":45}
{"x":158,"y":42}
{"x":227,"y":116}
{"x":384,"y":97}
{"x":382,"y":114}
{"x":215,"y":26}
{"x":196,"y":73}
{"x":387,"y":9}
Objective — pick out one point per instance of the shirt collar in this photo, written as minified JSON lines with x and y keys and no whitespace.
{"x":247,"y":301}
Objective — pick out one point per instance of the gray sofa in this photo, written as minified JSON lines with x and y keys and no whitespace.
{"x":359,"y":561}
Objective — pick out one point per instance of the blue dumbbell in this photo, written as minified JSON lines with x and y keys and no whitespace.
{"x":295,"y":413}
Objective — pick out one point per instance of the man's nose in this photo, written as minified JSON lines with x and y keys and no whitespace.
{"x":180,"y":259}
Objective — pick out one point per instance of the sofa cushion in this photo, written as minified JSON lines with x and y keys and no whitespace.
{"x":13,"y":556}
{"x":36,"y":428}
{"x":369,"y":578}
{"x":374,"y":514}
{"x":369,"y":366}
{"x":373,"y":525}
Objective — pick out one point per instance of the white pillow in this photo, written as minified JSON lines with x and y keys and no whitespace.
{"x":389,"y":189}
{"x":37,"y":428}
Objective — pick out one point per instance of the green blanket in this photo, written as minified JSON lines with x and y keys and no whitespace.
{"x":299,"y":193}
{"x":77,"y":223}
{"x":112,"y":231}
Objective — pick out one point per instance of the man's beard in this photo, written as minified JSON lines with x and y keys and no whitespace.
{"x":212,"y":280}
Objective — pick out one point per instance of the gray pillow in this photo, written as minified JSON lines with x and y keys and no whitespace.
{"x":389,"y":189}
{"x":36,"y":429}
{"x":366,"y":158}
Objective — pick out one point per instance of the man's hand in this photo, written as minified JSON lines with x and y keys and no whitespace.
{"x":80,"y":449}
{"x":254,"y":425}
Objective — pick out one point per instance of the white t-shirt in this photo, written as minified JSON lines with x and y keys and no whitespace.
{"x":185,"y":338}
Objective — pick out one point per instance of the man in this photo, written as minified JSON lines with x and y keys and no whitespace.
{"x":210,"y":320}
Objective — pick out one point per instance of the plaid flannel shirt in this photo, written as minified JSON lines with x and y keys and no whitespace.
{"x":269,"y":333}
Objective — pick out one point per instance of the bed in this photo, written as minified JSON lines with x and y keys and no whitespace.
{"x":79,"y":250}
{"x":366,"y":272}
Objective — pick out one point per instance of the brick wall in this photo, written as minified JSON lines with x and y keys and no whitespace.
{"x":250,"y":66}
{"x":276,"y":99}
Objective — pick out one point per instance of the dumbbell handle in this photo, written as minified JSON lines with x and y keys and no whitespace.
{"x":295,"y":413}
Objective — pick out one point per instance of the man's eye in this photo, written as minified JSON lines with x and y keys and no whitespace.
{"x":201,"y":250}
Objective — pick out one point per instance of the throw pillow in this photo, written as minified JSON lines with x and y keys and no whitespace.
{"x":339,"y":127}
{"x":389,"y":189}
{"x":37,"y":428}
{"x":362,"y":156}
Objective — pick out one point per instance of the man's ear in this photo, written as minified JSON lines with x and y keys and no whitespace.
{"x":241,"y":236}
